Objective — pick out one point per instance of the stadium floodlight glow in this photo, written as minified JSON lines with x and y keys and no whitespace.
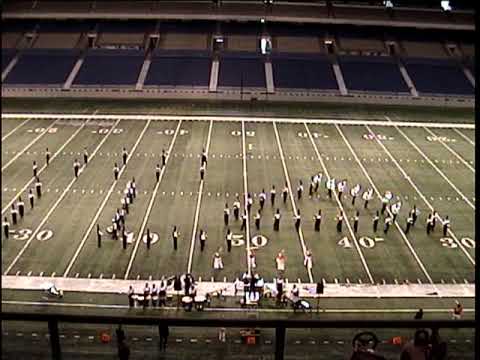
{"x":388,"y":4}
{"x":445,"y":5}
{"x":262,"y":20}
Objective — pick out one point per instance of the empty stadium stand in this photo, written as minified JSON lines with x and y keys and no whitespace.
{"x":7,"y":56}
{"x":438,"y":76}
{"x":110,"y":67}
{"x":42,"y":67}
{"x":241,"y":69}
{"x":295,"y":71}
{"x":179,"y":68}
{"x":372,"y":73}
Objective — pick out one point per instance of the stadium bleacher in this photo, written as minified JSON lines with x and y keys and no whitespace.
{"x":110,"y":67}
{"x":304,"y":71}
{"x":438,"y":76}
{"x":372,"y":73}
{"x":179,"y":68}
{"x":241,"y":69}
{"x":46,"y":66}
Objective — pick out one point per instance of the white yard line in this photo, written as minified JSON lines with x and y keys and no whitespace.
{"x":150,"y":204}
{"x":52,"y":209}
{"x":43,"y":167}
{"x":345,"y":217}
{"x":16,"y":128}
{"x":407,"y":177}
{"x":245,"y":190}
{"x":249,"y":119}
{"x":462,"y":160}
{"x":197,"y":208}
{"x":212,"y":309}
{"x":432,"y":164}
{"x":29,"y":145}
{"x":104,"y":202}
{"x":470,"y":141}
{"x":292,"y":199}
{"x":407,"y":242}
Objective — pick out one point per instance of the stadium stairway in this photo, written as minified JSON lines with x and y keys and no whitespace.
{"x":10,"y":66}
{"x":469,"y":75}
{"x":212,"y":87}
{"x":339,"y":76}
{"x":144,"y":72}
{"x":76,"y":68}
{"x":269,"y":77}
{"x":406,"y":77}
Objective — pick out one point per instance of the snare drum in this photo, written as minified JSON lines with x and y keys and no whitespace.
{"x":187,"y":303}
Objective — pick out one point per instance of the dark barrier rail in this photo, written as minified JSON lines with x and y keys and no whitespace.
{"x":280,"y":326}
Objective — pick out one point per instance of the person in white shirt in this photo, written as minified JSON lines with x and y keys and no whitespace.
{"x":354,"y":192}
{"x":226,"y":214}
{"x":308,"y":261}
{"x":203,"y":239}
{"x":261,"y":198}
{"x":280,"y":261}
{"x":367,"y":196}
{"x":217,"y":262}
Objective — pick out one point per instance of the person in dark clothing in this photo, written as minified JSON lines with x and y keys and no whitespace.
{"x":123,"y":351}
{"x":120,"y":334}
{"x":47,"y":155}
{"x":157,"y":172}
{"x":229,"y":240}
{"x":273,"y":192}
{"x":164,"y":158}
{"x":163,"y":332}
{"x":31,"y":197}
{"x":375,"y":221}
{"x":318,"y":220}
{"x":21,"y":207}
{"x":99,"y":237}
{"x":149,"y":239}
{"x":339,"y":222}
{"x":131,"y":301}
{"x":419,"y":314}
{"x":226,"y":214}
{"x":124,"y":156}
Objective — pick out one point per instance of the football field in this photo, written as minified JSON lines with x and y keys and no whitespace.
{"x":429,"y":165}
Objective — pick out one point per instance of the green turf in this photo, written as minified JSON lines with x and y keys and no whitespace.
{"x":389,"y":260}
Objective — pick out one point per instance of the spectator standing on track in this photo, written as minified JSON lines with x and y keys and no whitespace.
{"x":414,"y":212}
{"x":76,"y":167}
{"x":318,"y":220}
{"x":367,"y":196}
{"x":226,"y":214}
{"x":34,"y":168}
{"x":133,"y":186}
{"x":257,"y":217}
{"x":297,"y":219}
{"x":124,"y":156}
{"x":47,"y":156}
{"x":157,"y":172}
{"x":276,"y":220}
{"x":457,"y":311}
{"x":202,"y":172}
{"x":355,"y":221}
{"x":164,"y":158}
{"x":354,"y":192}
{"x":6,"y":227}
{"x":300,"y":190}
{"x":163,"y":332}
{"x":387,"y":223}
{"x":175,"y":238}
{"x":21,"y":207}
{"x":229,"y":238}
{"x":131,"y":292}
{"x":31,"y":198}
{"x":261,"y":198}
{"x":236,"y":208}
{"x":38,"y":187}
{"x":149,"y":239}
{"x":124,"y":238}
{"x":429,"y":224}
{"x":244,"y":221}
{"x":99,"y":237}
{"x":116,"y":170}
{"x":409,"y":223}
{"x":285,"y":193}
{"x":273,"y":192}
{"x":375,"y":221}
{"x":445,"y":225}
{"x":203,"y":239}
{"x":204,"y":158}
{"x":14,"y":212}
{"x":249,"y":202}
{"x":339,"y":219}
{"x":85,"y":156}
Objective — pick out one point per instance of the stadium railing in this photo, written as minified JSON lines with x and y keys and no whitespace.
{"x":280,"y":325}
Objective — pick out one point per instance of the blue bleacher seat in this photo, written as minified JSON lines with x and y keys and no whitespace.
{"x":179,"y":68}
{"x":368,"y":73}
{"x":241,"y":68}
{"x":434,"y":76}
{"x":110,"y":67}
{"x":45,"y":66}
{"x":303,"y":71}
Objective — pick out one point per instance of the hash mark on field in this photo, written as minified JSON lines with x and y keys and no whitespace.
{"x":41,"y":274}
{"x":29,"y":273}
{"x":53,"y":274}
{"x":18,"y":273}
{"x":77,"y":275}
{"x":89,"y":275}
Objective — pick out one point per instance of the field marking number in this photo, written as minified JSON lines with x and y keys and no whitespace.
{"x":365,"y":241}
{"x":466,"y":241}
{"x":24,"y":234}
